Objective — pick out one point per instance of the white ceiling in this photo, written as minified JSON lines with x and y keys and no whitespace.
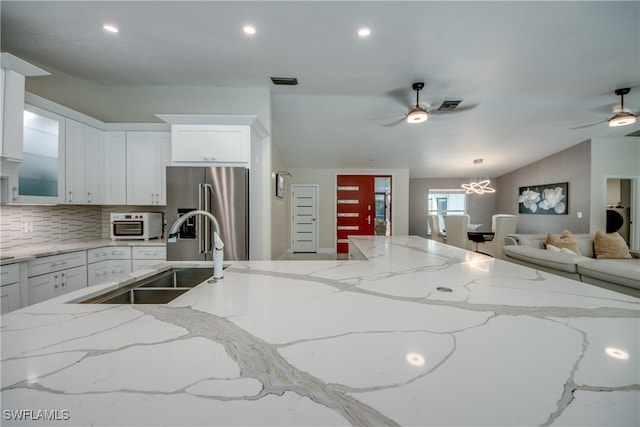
{"x":535,"y":69}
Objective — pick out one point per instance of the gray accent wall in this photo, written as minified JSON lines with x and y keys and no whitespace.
{"x":572,"y":165}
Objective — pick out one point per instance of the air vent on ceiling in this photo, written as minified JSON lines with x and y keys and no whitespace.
{"x":449,"y":105}
{"x":636,"y":133}
{"x":284,"y":81}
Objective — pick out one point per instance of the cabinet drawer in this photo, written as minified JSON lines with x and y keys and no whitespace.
{"x":108,"y":252}
{"x":150,"y":252}
{"x":9,"y":274}
{"x":53,"y":263}
{"x":105,"y":271}
{"x":139,"y":264}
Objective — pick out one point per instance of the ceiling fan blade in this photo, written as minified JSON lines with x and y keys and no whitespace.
{"x":589,"y":124}
{"x":401,"y":96}
{"x":395,"y":122}
{"x":461,"y":109}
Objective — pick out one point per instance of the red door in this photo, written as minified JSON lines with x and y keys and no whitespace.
{"x":355,"y":208}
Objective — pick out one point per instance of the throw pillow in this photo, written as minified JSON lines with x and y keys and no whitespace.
{"x":563,"y":250}
{"x":610,"y":246}
{"x":564,"y":240}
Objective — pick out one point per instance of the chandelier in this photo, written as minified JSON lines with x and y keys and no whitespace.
{"x":478,"y":185}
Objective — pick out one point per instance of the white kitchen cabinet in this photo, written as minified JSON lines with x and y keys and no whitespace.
{"x":47,"y":286}
{"x":107,"y":263}
{"x":85,"y":164}
{"x":148,"y":154}
{"x":10,"y":289}
{"x":210,"y":143}
{"x":105,"y":271}
{"x":146,"y":256}
{"x":55,"y":275}
{"x":41,"y":175}
{"x":115,"y":176}
{"x":12,"y":78}
{"x":108,"y":252}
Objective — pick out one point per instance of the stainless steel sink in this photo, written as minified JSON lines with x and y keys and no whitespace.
{"x":160,"y":288}
{"x":139,"y":296}
{"x":178,"y":278}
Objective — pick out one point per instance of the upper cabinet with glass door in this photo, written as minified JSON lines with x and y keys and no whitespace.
{"x":42,"y":171}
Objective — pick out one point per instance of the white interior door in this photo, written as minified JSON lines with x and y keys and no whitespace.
{"x":304,"y":211}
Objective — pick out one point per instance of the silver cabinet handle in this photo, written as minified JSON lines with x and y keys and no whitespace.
{"x":15,"y":194}
{"x":70,"y":196}
{"x":89,"y":197}
{"x":63,"y":280}
{"x":55,"y":282}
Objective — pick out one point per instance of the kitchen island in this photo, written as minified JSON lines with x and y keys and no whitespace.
{"x":419,"y":333}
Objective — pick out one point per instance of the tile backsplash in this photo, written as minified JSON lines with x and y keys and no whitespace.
{"x":22,"y":225}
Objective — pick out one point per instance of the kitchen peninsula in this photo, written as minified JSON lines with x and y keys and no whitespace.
{"x":418,"y":333}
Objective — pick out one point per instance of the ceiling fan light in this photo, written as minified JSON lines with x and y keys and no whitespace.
{"x":622,"y":119}
{"x":417,"y":115}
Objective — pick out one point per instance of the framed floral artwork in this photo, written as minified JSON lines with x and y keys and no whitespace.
{"x":547,"y":199}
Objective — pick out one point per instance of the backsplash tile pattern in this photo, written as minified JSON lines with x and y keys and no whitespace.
{"x":23,"y":225}
{"x":34,"y":224}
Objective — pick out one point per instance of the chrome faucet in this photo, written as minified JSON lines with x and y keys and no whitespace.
{"x":218,"y":246}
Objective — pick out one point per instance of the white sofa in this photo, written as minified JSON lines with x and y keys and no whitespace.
{"x":621,"y":275}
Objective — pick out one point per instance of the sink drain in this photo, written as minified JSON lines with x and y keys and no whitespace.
{"x":444,"y":289}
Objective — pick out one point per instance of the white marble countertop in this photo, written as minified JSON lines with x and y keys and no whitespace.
{"x":335,"y":343}
{"x":30,"y":252}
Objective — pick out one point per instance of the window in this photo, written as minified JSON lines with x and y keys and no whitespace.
{"x":446,"y":202}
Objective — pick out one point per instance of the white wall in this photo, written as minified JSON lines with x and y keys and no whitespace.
{"x":613,"y":158}
{"x":280,"y":209}
{"x":326,"y":181}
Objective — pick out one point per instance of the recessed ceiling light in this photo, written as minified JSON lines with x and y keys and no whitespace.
{"x":249,"y":29}
{"x":110,"y":28}
{"x":617,"y":353}
{"x":364,"y":32}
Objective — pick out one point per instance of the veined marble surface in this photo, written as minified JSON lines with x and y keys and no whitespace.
{"x":421,"y":333}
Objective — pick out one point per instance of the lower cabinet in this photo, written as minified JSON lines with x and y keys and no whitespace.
{"x":108,"y":263}
{"x":46,"y":286}
{"x":10,"y":289}
{"x":56,"y":275}
{"x":146,"y":256}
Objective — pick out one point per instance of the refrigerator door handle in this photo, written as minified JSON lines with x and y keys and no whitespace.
{"x":200,"y":223}
{"x":207,"y":193}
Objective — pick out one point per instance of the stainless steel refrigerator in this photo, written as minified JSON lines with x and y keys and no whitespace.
{"x":223,"y":191}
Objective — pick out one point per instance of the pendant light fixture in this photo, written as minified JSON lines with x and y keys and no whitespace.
{"x":417,"y":113}
{"x":622,"y":117}
{"x":477,"y":184}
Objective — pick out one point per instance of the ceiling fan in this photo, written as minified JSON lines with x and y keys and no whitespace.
{"x":621,"y":117}
{"x":420,"y":114}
